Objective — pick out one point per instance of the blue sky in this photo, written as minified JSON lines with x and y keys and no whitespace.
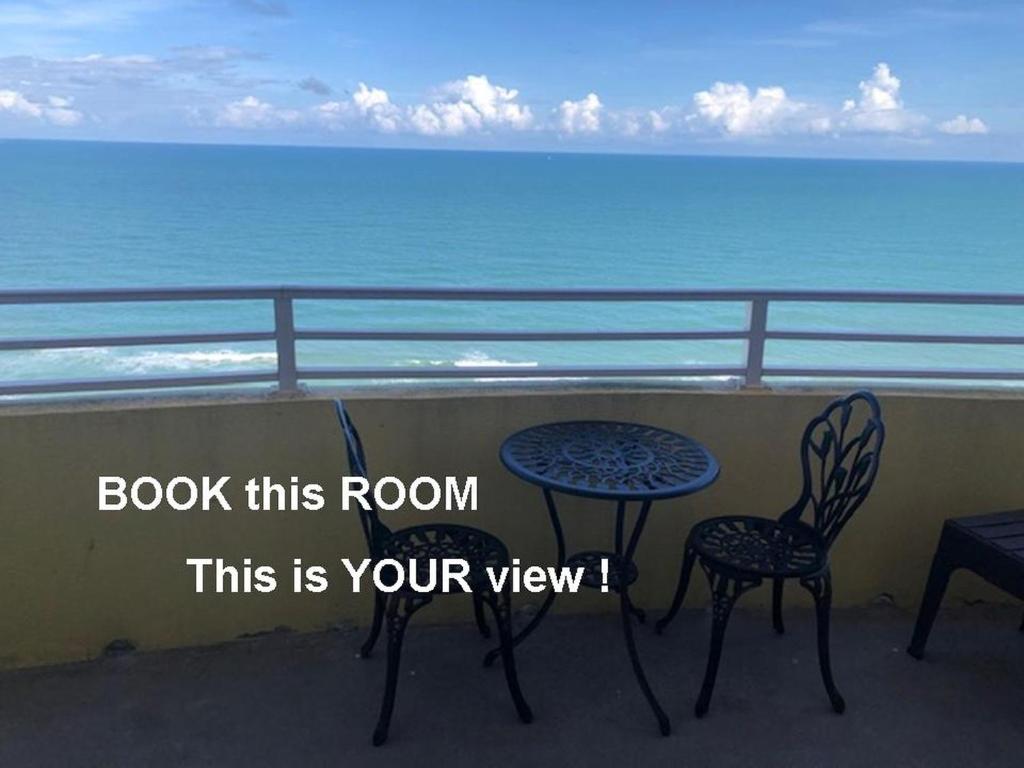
{"x":936,"y":79}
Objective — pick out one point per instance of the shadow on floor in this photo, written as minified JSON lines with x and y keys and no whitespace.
{"x":288,"y":700}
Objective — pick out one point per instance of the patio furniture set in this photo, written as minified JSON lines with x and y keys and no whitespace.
{"x":637,"y":465}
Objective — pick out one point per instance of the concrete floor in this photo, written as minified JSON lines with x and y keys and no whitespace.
{"x":290,"y":700}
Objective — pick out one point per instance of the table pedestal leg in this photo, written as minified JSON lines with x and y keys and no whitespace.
{"x":534,"y":622}
{"x":627,"y":609}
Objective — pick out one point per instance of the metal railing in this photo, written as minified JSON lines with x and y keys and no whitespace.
{"x":288,"y":374}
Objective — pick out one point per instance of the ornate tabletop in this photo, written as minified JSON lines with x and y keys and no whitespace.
{"x":609,"y":460}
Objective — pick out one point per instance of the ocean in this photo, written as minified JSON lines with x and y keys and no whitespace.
{"x":87,"y":215}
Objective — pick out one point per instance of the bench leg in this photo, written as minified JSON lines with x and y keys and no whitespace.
{"x":938,"y":579}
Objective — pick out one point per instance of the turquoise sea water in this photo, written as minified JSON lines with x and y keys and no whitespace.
{"x":77,"y":215}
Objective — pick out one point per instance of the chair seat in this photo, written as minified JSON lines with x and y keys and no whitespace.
{"x":438,"y":541}
{"x":759,"y":546}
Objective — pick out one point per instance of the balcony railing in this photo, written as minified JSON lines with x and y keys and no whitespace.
{"x":288,"y":374}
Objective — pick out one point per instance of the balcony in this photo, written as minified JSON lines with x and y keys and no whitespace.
{"x":80,"y":582}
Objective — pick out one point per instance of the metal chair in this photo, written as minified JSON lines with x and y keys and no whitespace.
{"x":416,"y":546}
{"x":840,"y":453}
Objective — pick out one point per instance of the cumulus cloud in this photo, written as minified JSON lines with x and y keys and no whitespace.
{"x":583,"y":116}
{"x":471,"y":104}
{"x":16,"y":103}
{"x":962,"y":125}
{"x":639,"y":123}
{"x":880,"y":108}
{"x":628,"y":123}
{"x":375,"y":106}
{"x":659,"y":120}
{"x":368,"y":106}
{"x":820,"y":125}
{"x":56,"y":110}
{"x":731,"y":108}
{"x":250,"y":112}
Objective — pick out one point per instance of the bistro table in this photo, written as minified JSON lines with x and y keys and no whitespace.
{"x":612,"y":461}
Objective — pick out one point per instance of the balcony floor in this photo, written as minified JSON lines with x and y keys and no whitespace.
{"x":286,"y":700}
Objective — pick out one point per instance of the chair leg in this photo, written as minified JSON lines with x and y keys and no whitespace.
{"x":378,"y":620}
{"x":725,"y":592}
{"x":777,"y":587}
{"x":481,"y":620}
{"x":501,"y":606}
{"x":689,"y":559}
{"x":821,"y":588}
{"x":399,"y":610}
{"x":938,"y":580}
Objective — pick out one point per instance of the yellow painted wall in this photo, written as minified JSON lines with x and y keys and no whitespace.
{"x":75,"y":578}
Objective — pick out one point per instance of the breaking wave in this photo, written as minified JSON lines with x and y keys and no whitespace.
{"x":152,"y":361}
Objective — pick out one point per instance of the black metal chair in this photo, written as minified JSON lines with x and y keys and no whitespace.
{"x":421,"y":544}
{"x":839,"y":452}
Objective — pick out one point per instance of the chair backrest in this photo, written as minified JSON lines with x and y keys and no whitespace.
{"x":373,"y":529}
{"x":840,"y":451}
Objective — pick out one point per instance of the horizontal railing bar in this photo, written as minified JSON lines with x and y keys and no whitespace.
{"x":140,"y":382}
{"x":513,"y":294}
{"x":516,"y":372}
{"x":898,"y":373}
{"x":229,"y":293}
{"x":909,"y":338}
{"x":399,"y":335}
{"x":116,"y":295}
{"x":640,"y":294}
{"x":73,"y":342}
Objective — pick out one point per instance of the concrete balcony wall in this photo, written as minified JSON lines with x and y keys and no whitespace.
{"x":75,"y":578}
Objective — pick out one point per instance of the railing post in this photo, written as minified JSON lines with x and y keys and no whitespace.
{"x":757,"y":327}
{"x":284,"y":338}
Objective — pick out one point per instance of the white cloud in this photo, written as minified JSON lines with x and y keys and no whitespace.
{"x":375,"y":105}
{"x":56,"y":110}
{"x":626,"y":123}
{"x":820,"y":125}
{"x":880,"y":109}
{"x":637,"y":123}
{"x":334,"y":113}
{"x":250,"y":112}
{"x":961,"y":125}
{"x":366,"y":98}
{"x":471,"y":104}
{"x":659,"y":121}
{"x":16,"y":103}
{"x":736,"y":111}
{"x":583,"y":116}
{"x":60,"y":112}
{"x":731,"y":108}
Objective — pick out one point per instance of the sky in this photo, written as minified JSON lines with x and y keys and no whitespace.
{"x":934,"y":79}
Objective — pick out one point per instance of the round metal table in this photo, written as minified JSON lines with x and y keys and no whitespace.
{"x":618,"y":462}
